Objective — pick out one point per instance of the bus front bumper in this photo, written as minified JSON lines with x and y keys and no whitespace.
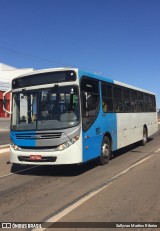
{"x":70,"y":155}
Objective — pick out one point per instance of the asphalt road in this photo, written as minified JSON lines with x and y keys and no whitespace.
{"x":4,"y":138}
{"x":4,"y":124}
{"x":4,"y":130}
{"x":127,"y":192}
{"x":132,"y":198}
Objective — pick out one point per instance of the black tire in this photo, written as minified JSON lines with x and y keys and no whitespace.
{"x":105,"y":151}
{"x":145,"y":137}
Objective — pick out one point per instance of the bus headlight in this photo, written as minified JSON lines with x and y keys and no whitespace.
{"x":14,"y":146}
{"x":67,"y":144}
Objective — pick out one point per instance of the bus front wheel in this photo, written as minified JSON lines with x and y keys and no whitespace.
{"x":105,"y":151}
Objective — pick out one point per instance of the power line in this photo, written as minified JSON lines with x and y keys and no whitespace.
{"x":20,"y":54}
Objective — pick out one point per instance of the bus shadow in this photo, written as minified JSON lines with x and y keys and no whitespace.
{"x":129,"y":148}
{"x":69,"y":170}
{"x":60,"y":170}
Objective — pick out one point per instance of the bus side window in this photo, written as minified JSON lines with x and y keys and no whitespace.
{"x":140,"y":102}
{"x":107,"y":97}
{"x":153,"y":104}
{"x":126,"y":99}
{"x":118,"y":102}
{"x":146,"y":106}
{"x":134,"y":101}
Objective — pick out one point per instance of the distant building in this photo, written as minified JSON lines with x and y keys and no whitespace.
{"x":7,"y":73}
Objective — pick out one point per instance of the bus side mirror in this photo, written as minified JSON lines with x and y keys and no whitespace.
{"x":5,"y":102}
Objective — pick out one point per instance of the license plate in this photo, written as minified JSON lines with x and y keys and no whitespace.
{"x":35,"y":157}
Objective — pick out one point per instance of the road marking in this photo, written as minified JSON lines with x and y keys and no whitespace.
{"x":23,"y":170}
{"x":158,"y":150}
{"x":89,"y":195}
{"x":4,"y":150}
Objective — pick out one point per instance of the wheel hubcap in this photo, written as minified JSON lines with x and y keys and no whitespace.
{"x":144,"y":137}
{"x":105,"y":151}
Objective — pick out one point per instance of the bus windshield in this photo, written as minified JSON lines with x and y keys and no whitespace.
{"x":45,"y":109}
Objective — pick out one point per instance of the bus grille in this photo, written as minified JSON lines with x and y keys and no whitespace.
{"x":37,"y":136}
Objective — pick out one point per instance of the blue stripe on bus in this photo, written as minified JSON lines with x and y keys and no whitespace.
{"x":92,"y":141}
{"x":105,"y":123}
{"x":22,"y":141}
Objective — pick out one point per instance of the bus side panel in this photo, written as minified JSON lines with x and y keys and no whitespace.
{"x":93,"y":137}
{"x":130,"y":127}
{"x":150,"y":119}
{"x":105,"y":123}
{"x":137,"y":123}
{"x":123,"y":129}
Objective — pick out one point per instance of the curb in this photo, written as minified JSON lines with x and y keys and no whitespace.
{"x":4,"y":131}
{"x":4,"y":146}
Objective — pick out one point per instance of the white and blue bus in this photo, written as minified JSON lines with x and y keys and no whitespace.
{"x":68,"y":116}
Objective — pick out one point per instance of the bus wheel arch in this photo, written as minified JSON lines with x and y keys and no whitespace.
{"x":106,"y":149}
{"x":145,"y":135}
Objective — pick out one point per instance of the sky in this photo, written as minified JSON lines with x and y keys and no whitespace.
{"x":119,"y":39}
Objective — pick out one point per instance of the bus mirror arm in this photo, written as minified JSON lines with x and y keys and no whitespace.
{"x":5,"y":102}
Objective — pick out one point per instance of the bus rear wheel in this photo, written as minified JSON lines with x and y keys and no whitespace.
{"x":105,"y":151}
{"x":145,"y":137}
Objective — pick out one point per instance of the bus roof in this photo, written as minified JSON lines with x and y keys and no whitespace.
{"x":86,"y":73}
{"x":97,"y":76}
